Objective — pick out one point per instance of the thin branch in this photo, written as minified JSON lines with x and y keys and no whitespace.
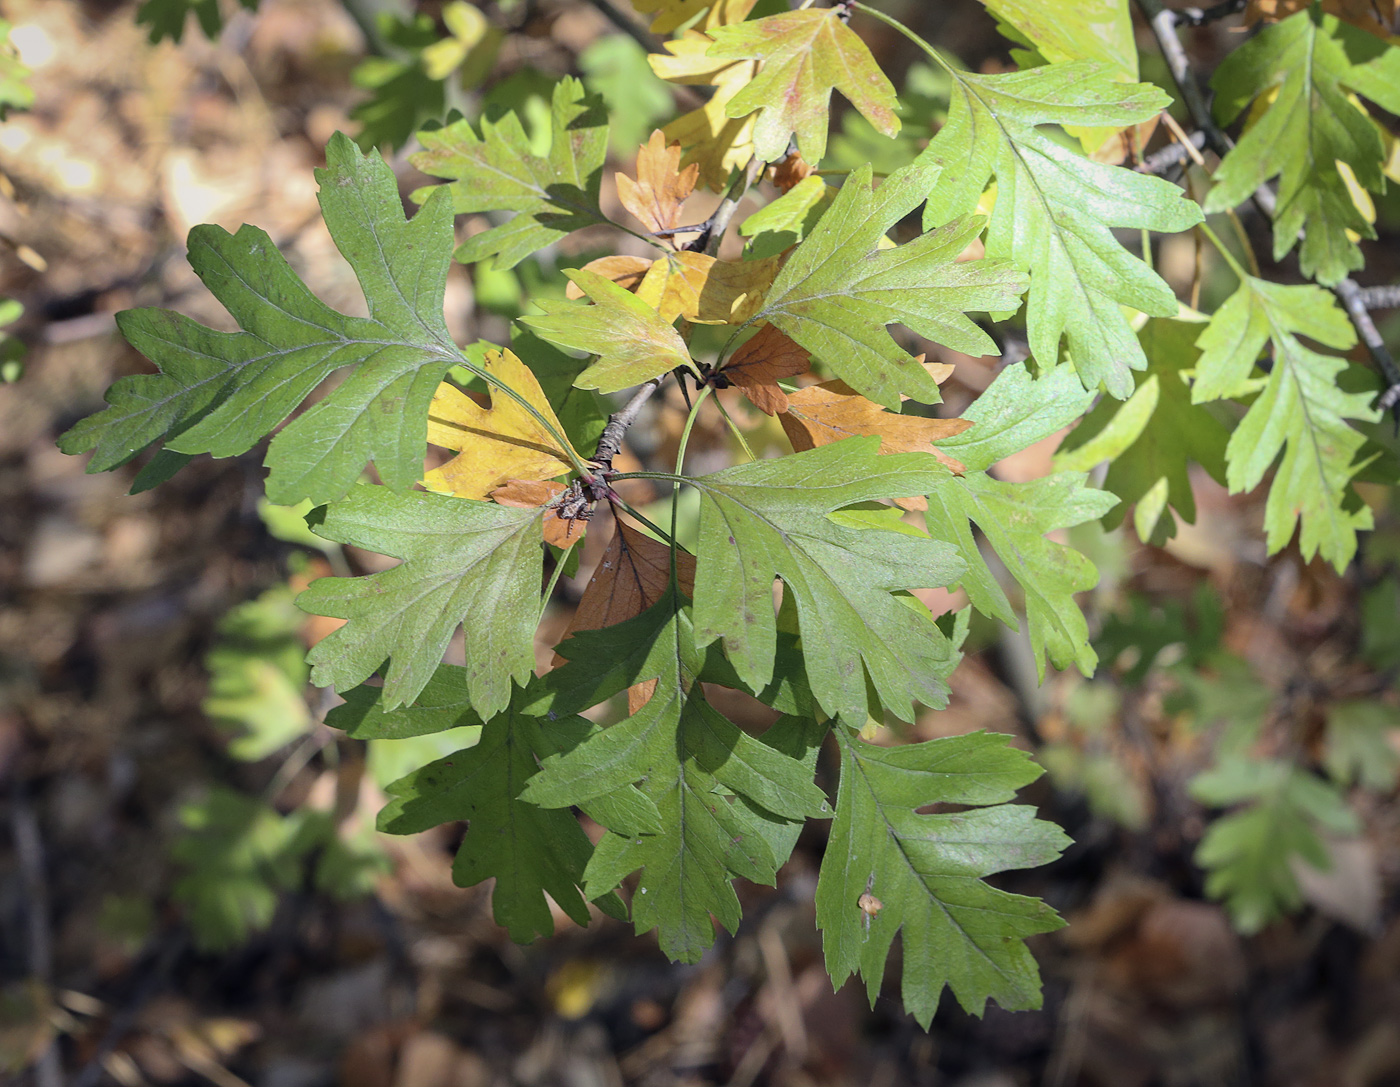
{"x":1380,"y":297}
{"x":1350,"y":295}
{"x":647,"y":40}
{"x":1201,"y":16}
{"x":611,"y":441}
{"x":1174,"y":154}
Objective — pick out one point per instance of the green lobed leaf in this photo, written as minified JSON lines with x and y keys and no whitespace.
{"x":221,"y":392}
{"x":1311,"y":61}
{"x":784,"y":222}
{"x":688,"y":761}
{"x":1016,"y":411}
{"x":1015,"y":518}
{"x":1249,"y":853}
{"x":402,"y":93}
{"x":804,"y":55}
{"x":167,"y":18}
{"x":1360,"y":749}
{"x":769,"y":518}
{"x":1151,"y":439}
{"x":926,"y":871}
{"x":1300,"y":412}
{"x":839,"y":290}
{"x":257,"y":676}
{"x":1055,"y":208}
{"x":632,"y":342}
{"x":463,"y":561}
{"x":553,"y":192}
{"x":529,"y":851}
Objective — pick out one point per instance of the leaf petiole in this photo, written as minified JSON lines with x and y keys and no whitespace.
{"x":1235,"y":267}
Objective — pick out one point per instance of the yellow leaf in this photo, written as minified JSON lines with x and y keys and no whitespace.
{"x":706,"y":291}
{"x":662,"y":185}
{"x":498,"y":443}
{"x":670,"y":14}
{"x":708,"y":136}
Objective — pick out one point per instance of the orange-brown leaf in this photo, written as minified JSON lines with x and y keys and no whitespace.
{"x":661,"y":187}
{"x":792,"y":170}
{"x":631,"y":576}
{"x":758,"y":364}
{"x":526,"y":493}
{"x":826,"y":413}
{"x":626,"y":272}
{"x":497,"y":443}
{"x":1376,"y":16}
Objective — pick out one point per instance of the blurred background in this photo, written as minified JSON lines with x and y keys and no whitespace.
{"x":191,"y":887}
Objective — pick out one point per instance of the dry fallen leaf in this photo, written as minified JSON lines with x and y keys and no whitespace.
{"x":498,"y":443}
{"x":761,"y":362}
{"x":527,"y":493}
{"x":662,"y":185}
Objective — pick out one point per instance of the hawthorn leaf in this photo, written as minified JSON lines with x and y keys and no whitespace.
{"x":804,"y":55}
{"x":839,"y":289}
{"x":670,"y":14}
{"x":704,"y":290}
{"x":1016,"y":411}
{"x":505,"y":441}
{"x":1055,"y":209}
{"x":462,"y":559}
{"x":529,"y":851}
{"x":582,"y":412}
{"x":769,"y":518}
{"x":633,"y":574}
{"x":544,"y":495}
{"x":627,"y":272}
{"x":760,"y":362}
{"x":443,"y":704}
{"x":687,"y":760}
{"x":661,"y":187}
{"x":830,"y":411}
{"x":926,"y":872}
{"x":1360,"y":743}
{"x":1249,"y":853}
{"x":780,"y":225}
{"x":1301,"y":412}
{"x":553,"y":194}
{"x":708,"y":135}
{"x":632,"y":341}
{"x":1015,"y":518}
{"x":220,"y":392}
{"x":1099,"y":30}
{"x":1309,"y":64}
{"x":1151,"y":439}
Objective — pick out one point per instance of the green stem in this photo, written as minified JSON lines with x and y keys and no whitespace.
{"x":743,"y":443}
{"x":632,"y":511}
{"x":1235,"y":267}
{"x":891,"y":21}
{"x":554,"y":579}
{"x":549,"y":428}
{"x":679,"y":475}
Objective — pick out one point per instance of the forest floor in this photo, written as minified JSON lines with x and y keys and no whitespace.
{"x":109,"y":604}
